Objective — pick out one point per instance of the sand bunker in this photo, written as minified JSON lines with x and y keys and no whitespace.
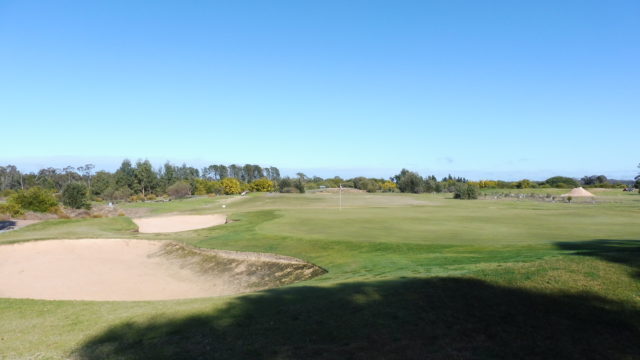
{"x":169,"y":224}
{"x":114,"y":269}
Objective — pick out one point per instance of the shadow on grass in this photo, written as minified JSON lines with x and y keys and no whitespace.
{"x":625,"y":252}
{"x":436,"y":318}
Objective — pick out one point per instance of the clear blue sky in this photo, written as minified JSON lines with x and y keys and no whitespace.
{"x":489,"y":89}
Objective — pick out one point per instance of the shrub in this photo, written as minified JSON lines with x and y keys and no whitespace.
{"x":230,"y":186}
{"x":136,"y":198}
{"x":524,"y":184}
{"x":299,"y":185}
{"x":6,"y":193}
{"x":362,"y":183}
{"x":389,"y":186}
{"x":290,"y":190}
{"x":179,"y":190}
{"x":244,"y":187}
{"x":76,"y":195}
{"x":285,"y":183}
{"x":561,"y":182}
{"x":35,"y":199}
{"x":262,"y":185}
{"x":114,"y":194}
{"x":61,"y":214}
{"x":215,"y":187}
{"x":201,"y":187}
{"x":11,"y":209}
{"x":410,"y":182}
{"x":465,"y":192}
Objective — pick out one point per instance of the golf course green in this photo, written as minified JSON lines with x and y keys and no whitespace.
{"x":407,"y":276}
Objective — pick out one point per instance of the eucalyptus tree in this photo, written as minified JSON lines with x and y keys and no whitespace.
{"x":125,"y":176}
{"x":86,"y":171}
{"x":145,"y":177}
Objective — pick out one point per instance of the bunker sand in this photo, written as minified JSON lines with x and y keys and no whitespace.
{"x":177,"y":223}
{"x":118,"y":269}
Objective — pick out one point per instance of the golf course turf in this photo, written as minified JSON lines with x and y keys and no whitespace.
{"x":408,"y":276}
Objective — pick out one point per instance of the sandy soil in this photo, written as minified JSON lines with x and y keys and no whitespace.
{"x":119,"y":269}
{"x":169,"y":224}
{"x":23,"y":223}
{"x":98,"y":269}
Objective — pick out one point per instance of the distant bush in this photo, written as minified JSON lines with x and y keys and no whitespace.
{"x":525,"y":184}
{"x":311,"y":186}
{"x":389,"y":186}
{"x":230,"y":186}
{"x":285,"y":183}
{"x":6,"y":193}
{"x":11,"y":209}
{"x":179,"y":190}
{"x":465,"y":192}
{"x":299,"y":185}
{"x":244,"y":187}
{"x":504,"y":184}
{"x":117,"y":194}
{"x":35,"y":199}
{"x":290,"y":190}
{"x":201,"y":187}
{"x":368,"y":185}
{"x":262,"y":185}
{"x":561,"y":182}
{"x":410,"y":182}
{"x":136,"y":198}
{"x":76,"y":195}
{"x":488,"y":184}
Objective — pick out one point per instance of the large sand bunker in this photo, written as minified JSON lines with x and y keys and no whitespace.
{"x":115,"y":269}
{"x":168,"y":224}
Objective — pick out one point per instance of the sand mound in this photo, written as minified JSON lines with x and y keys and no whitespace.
{"x":169,"y":224}
{"x":578,"y":192}
{"x":113,"y":269}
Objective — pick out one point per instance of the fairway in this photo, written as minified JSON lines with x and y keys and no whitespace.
{"x":406,"y":275}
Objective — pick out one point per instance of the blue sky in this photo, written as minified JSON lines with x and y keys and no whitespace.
{"x":498,"y":89}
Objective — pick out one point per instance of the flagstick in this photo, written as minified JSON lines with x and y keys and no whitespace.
{"x":340,"y":209}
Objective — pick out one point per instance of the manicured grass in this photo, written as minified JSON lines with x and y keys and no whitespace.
{"x":410,"y":276}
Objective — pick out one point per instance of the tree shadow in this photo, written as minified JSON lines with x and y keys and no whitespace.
{"x":433,"y":318}
{"x":626,"y":252}
{"x":7,"y":224}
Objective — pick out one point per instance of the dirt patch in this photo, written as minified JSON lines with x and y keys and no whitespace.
{"x":177,"y":223}
{"x":117,"y":269}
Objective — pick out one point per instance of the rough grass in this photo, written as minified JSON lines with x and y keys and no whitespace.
{"x":410,"y":276}
{"x":241,"y":270}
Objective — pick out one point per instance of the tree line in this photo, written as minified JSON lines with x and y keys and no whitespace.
{"x":77,"y":186}
{"x":139,"y":178}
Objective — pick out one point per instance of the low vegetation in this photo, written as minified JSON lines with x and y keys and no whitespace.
{"x":34,"y":199}
{"x":76,"y":196}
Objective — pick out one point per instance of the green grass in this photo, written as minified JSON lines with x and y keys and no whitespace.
{"x":409,"y":276}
